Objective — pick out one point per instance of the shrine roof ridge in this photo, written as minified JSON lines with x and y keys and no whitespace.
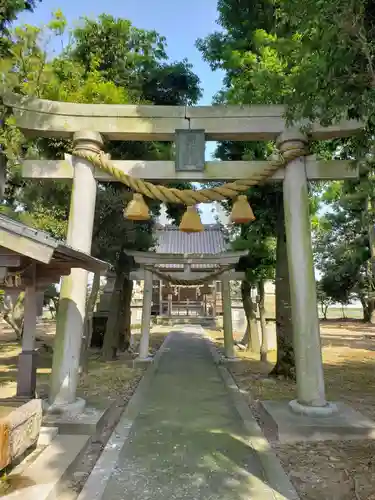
{"x":173,"y":227}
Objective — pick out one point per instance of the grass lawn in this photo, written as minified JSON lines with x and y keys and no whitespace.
{"x":336,"y":470}
{"x":105,"y":382}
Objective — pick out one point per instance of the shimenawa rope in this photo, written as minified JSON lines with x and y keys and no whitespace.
{"x":188,"y":196}
{"x":200,"y":281}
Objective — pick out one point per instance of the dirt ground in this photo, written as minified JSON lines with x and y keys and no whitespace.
{"x":342,"y":470}
{"x":331,"y":470}
{"x":104,"y":383}
{"x":108,"y":385}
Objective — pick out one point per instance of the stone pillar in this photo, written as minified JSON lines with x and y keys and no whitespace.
{"x":214,"y":301}
{"x":146,"y":316}
{"x":227,"y":317}
{"x":169,"y":305}
{"x":27,"y":360}
{"x":307,"y":347}
{"x":160,"y":297}
{"x":71,"y":314}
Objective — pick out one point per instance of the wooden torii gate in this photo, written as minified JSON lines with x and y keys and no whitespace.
{"x":189,"y":127}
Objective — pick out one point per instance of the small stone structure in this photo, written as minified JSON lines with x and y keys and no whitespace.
{"x":19,"y":431}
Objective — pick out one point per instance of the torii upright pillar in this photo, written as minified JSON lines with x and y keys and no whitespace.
{"x":307,"y":346}
{"x":71,"y":313}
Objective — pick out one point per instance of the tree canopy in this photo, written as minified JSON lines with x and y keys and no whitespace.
{"x":107,"y":61}
{"x":112,"y":72}
{"x":9,"y":9}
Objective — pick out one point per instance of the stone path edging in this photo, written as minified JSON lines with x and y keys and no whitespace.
{"x":278,"y":479}
{"x":103,"y":469}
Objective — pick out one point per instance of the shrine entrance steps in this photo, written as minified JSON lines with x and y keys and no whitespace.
{"x":186,"y":320}
{"x":182,"y":436}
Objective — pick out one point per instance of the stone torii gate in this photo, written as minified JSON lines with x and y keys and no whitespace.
{"x":189,"y":127}
{"x":219,"y":267}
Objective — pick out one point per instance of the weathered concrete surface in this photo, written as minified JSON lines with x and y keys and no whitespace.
{"x":165,"y":170}
{"x":146,"y":317}
{"x":87,"y":422}
{"x":138,"y":123}
{"x":290,"y":427}
{"x":96,"y":483}
{"x":306,"y":333}
{"x":188,"y":440}
{"x":40,"y":480}
{"x":227,"y":318}
{"x":72,"y":305}
{"x":19,"y":430}
{"x":47,"y":435}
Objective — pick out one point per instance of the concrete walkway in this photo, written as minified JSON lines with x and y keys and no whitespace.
{"x":188,"y":441}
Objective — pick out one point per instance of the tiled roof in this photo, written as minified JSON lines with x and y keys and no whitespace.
{"x":170,"y":240}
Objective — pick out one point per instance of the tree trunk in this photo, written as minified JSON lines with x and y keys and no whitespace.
{"x":367,"y":307}
{"x":343,"y":311}
{"x":285,"y":363}
{"x":110,"y":341}
{"x":125,"y":327}
{"x":366,"y":315}
{"x":87,"y":333}
{"x":371,"y":237}
{"x":251,"y":337}
{"x":120,"y":323}
{"x":15,"y":315}
{"x":322,"y":308}
{"x":119,"y":342}
{"x":325,"y":310}
{"x":263,"y":323}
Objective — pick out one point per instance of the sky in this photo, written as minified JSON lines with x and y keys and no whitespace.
{"x":181,"y":22}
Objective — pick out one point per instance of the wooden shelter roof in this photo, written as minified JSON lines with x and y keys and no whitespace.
{"x":33,"y":254}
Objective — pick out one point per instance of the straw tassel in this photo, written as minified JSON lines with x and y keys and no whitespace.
{"x":137,"y":209}
{"x":242,"y":211}
{"x":191,"y":221}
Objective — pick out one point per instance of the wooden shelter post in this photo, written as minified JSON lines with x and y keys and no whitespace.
{"x":309,"y":366}
{"x":71,"y":313}
{"x":26,"y":373}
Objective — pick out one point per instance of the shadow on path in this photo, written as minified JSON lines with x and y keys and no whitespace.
{"x":188,"y":441}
